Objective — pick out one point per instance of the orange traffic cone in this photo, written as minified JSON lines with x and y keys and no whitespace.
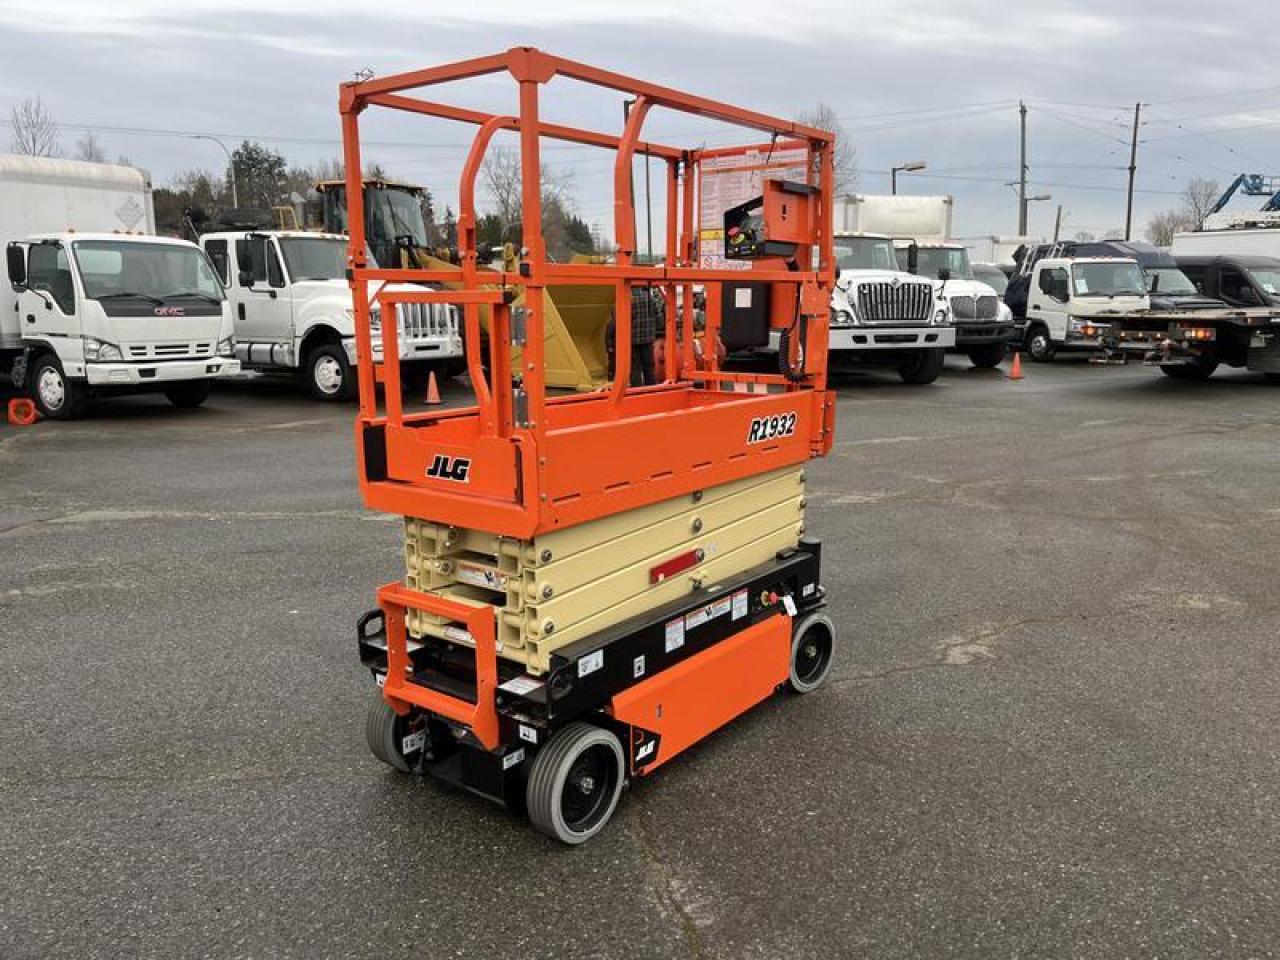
{"x":22,"y":412}
{"x":433,"y":391}
{"x":1015,"y":368}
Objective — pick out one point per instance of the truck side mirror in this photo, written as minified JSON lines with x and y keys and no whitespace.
{"x":913,"y":259}
{"x":944,"y":274}
{"x":16,"y":261}
{"x":246,"y":278}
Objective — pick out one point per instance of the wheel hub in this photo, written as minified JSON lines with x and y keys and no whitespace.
{"x":51,"y":388}
{"x":328,"y":374}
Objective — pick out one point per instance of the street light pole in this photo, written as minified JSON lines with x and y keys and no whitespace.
{"x":231,"y":165}
{"x":909,"y":167}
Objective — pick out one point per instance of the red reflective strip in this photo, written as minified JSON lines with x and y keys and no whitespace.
{"x":676,"y":564}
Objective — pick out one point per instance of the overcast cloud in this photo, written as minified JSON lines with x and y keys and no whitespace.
{"x":912,"y":80}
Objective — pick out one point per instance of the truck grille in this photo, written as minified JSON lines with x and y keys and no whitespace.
{"x":421,"y":321}
{"x":167,"y":351}
{"x":967,"y":308}
{"x":889,"y":302}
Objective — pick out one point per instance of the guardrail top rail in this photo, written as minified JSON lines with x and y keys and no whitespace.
{"x":519,"y":462}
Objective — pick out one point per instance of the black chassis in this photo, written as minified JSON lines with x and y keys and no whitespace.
{"x":584,"y":675}
{"x":1160,"y":338}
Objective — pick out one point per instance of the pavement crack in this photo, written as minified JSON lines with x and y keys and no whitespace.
{"x":667,"y":890}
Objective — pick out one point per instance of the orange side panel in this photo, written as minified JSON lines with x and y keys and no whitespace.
{"x":694,"y":698}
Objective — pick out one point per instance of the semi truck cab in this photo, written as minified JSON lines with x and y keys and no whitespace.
{"x":984,"y":325}
{"x":292,"y":309}
{"x":882,"y":314}
{"x":103,"y":313}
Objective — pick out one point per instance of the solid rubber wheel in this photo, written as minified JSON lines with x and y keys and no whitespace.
{"x":574,"y":783}
{"x":812,"y":644}
{"x":1039,"y":347}
{"x":987,"y":356}
{"x":188,"y":395}
{"x":385,"y":730}
{"x":329,"y":375}
{"x":924,"y":366}
{"x":1189,"y":371}
{"x":56,"y":396}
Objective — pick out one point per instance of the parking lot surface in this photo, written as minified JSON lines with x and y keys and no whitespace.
{"x":1053,"y":727}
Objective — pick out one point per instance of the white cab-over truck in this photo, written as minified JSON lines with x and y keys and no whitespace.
{"x":921,"y":230}
{"x":1070,"y":302}
{"x":92,"y":306}
{"x":292,"y":308}
{"x":881,"y":315}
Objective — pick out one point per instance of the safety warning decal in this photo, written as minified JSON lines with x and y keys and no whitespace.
{"x":703,"y":614}
{"x":675,"y":635}
{"x":740,"y":605}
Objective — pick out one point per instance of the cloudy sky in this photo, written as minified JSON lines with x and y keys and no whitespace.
{"x":912,"y":79}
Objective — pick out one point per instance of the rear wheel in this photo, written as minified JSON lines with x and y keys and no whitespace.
{"x":188,"y":395}
{"x":388,"y":734}
{"x":987,"y":355}
{"x":1199,"y":370}
{"x":924,"y":366}
{"x":812,"y":644}
{"x":56,"y":395}
{"x":1039,"y":346}
{"x":329,"y":375}
{"x":575,"y":782}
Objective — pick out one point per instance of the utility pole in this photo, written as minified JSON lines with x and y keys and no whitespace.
{"x":1057,"y":224}
{"x":1133,"y":169}
{"x":1022,"y":170}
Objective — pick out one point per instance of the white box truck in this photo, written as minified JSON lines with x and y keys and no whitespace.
{"x":292,"y":306}
{"x":90,"y":304}
{"x":921,"y":230}
{"x":881,"y":314}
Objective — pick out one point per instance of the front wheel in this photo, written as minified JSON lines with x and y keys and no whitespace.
{"x":1199,"y":370}
{"x":924,"y":366}
{"x":56,"y":395}
{"x":188,"y":395}
{"x":574,"y":783}
{"x":987,"y":355}
{"x":329,"y":375}
{"x":1039,"y":347}
{"x":812,"y":644}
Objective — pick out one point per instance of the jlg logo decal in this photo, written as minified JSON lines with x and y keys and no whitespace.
{"x":449,"y":468}
{"x":771,"y":428}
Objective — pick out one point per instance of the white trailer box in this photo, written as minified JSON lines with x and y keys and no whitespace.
{"x":1257,"y":241}
{"x":994,"y":248}
{"x":923,"y":219}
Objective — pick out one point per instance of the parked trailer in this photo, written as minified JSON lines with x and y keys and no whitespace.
{"x":596,"y":581}
{"x":89,"y":304}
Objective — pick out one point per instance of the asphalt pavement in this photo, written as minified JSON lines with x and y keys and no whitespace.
{"x":1053,"y":728}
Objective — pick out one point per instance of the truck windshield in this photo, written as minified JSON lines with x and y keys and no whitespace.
{"x":1168,"y":280}
{"x":1119,"y":279}
{"x":314,"y":258}
{"x":1268,"y":280}
{"x":930,"y":261}
{"x":148,"y":270}
{"x":864,"y":253}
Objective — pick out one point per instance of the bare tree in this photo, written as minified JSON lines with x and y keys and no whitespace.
{"x":1198,"y":198}
{"x":34,"y":132}
{"x":501,"y":173}
{"x":1162,"y":227}
{"x":88,"y":148}
{"x":845,"y":160}
{"x":1083,"y":236}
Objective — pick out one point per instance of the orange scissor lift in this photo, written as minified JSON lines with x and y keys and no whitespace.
{"x":556,"y":728}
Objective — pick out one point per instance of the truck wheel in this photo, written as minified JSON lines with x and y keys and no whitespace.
{"x":924,"y":366}
{"x":1201,"y":370}
{"x":987,"y":356}
{"x":812,"y":643}
{"x":188,"y":395}
{"x":57,"y":395}
{"x":1039,"y":347}
{"x":329,"y":375}
{"x":574,"y":783}
{"x":385,"y":731}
